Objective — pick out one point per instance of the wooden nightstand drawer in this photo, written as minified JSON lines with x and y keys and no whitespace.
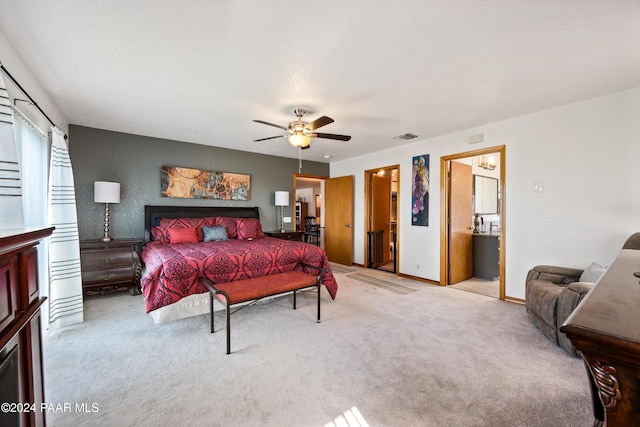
{"x":287,"y":235}
{"x":92,"y":260}
{"x":108,"y":266}
{"x":109,"y":277}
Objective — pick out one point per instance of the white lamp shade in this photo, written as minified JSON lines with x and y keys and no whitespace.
{"x":282,"y":198}
{"x":106,"y":192}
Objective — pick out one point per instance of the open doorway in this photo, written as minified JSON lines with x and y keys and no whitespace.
{"x":473,"y":213}
{"x":308,"y":191}
{"x":381,"y":231}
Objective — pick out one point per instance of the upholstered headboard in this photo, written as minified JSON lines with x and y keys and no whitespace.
{"x":152,"y":214}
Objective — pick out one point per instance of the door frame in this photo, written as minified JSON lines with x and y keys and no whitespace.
{"x":444,"y":211}
{"x":367,"y":212}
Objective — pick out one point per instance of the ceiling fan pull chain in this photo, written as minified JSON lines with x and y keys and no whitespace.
{"x":299,"y":159}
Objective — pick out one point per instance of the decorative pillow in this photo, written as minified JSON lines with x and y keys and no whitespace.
{"x":593,"y":273}
{"x":196,"y":223}
{"x":212,"y":234}
{"x":230,"y":224}
{"x":249,"y":228}
{"x":160,"y":234}
{"x":183,"y":235}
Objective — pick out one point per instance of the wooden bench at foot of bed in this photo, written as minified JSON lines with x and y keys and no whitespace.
{"x":256,"y":288}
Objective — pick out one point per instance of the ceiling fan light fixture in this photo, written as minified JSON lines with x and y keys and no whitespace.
{"x":299,"y":139}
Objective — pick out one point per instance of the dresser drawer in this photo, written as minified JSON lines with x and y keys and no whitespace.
{"x":9,"y":290}
{"x":97,"y":260}
{"x":110,"y":276}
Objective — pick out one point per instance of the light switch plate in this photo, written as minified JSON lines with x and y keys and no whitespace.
{"x":287,"y":220}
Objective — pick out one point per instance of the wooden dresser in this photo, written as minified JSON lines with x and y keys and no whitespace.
{"x":109,"y":266}
{"x":21,"y":379}
{"x":605,"y":328}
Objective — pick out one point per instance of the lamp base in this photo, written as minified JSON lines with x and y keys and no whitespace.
{"x":282,"y":219}
{"x":106,"y":237}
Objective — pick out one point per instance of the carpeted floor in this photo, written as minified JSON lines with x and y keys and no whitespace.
{"x":426,"y":356}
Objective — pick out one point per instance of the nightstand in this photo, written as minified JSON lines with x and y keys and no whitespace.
{"x":287,"y":235}
{"x":109,"y":266}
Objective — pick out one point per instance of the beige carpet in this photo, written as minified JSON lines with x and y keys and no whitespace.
{"x":431,"y":357}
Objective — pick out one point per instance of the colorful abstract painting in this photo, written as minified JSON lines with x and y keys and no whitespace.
{"x":420,"y":193}
{"x":203,"y":184}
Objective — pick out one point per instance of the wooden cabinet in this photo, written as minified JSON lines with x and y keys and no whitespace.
{"x":21,"y":379}
{"x":604,"y":329}
{"x":287,"y":235}
{"x":486,"y":256}
{"x":109,"y":266}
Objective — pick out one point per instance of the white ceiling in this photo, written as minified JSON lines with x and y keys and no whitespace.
{"x":201,"y":71}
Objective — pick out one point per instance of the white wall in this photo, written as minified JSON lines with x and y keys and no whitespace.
{"x":587,"y":155}
{"x":13,"y":63}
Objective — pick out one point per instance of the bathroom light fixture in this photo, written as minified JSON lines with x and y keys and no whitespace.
{"x":106,"y":192}
{"x":487,"y":162}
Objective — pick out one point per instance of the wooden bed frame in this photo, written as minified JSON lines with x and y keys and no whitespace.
{"x":152,"y":214}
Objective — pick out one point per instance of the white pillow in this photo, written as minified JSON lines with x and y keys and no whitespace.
{"x":593,"y":273}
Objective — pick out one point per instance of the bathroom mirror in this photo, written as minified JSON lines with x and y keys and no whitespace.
{"x":485,"y":195}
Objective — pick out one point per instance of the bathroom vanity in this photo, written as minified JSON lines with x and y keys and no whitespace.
{"x":486,"y":256}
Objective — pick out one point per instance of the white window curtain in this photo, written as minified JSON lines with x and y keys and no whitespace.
{"x":33,"y":154}
{"x":65,"y":284}
{"x":10,"y":188}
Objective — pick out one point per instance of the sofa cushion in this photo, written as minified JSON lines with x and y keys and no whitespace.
{"x":558,"y":275}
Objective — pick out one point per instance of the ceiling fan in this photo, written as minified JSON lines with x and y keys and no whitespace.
{"x":301,"y":132}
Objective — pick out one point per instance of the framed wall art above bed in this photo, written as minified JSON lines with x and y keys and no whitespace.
{"x":187,"y":183}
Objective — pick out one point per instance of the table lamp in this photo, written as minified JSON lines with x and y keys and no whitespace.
{"x":106,"y":192}
{"x":282,"y":200}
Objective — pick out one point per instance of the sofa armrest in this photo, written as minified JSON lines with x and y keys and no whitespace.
{"x":554,"y":274}
{"x":581,"y":288}
{"x":568,"y":300}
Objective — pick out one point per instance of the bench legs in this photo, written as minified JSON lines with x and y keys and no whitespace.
{"x":228,"y":327}
{"x":212,"y":296}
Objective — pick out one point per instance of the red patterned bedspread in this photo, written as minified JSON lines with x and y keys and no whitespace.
{"x":172,"y":270}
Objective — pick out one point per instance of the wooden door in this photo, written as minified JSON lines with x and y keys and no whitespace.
{"x":460,"y":221}
{"x":338,"y":219}
{"x":381,"y":212}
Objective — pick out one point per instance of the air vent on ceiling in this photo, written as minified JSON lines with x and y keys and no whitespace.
{"x":406,"y":136}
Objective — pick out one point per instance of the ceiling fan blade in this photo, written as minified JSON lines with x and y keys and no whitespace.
{"x":271,"y":137}
{"x":317,"y":123}
{"x":332,"y":136}
{"x":270,"y":124}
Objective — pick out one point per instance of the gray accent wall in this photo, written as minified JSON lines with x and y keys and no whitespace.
{"x":134,"y":161}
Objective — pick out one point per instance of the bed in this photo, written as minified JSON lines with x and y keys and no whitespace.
{"x":184,"y":243}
